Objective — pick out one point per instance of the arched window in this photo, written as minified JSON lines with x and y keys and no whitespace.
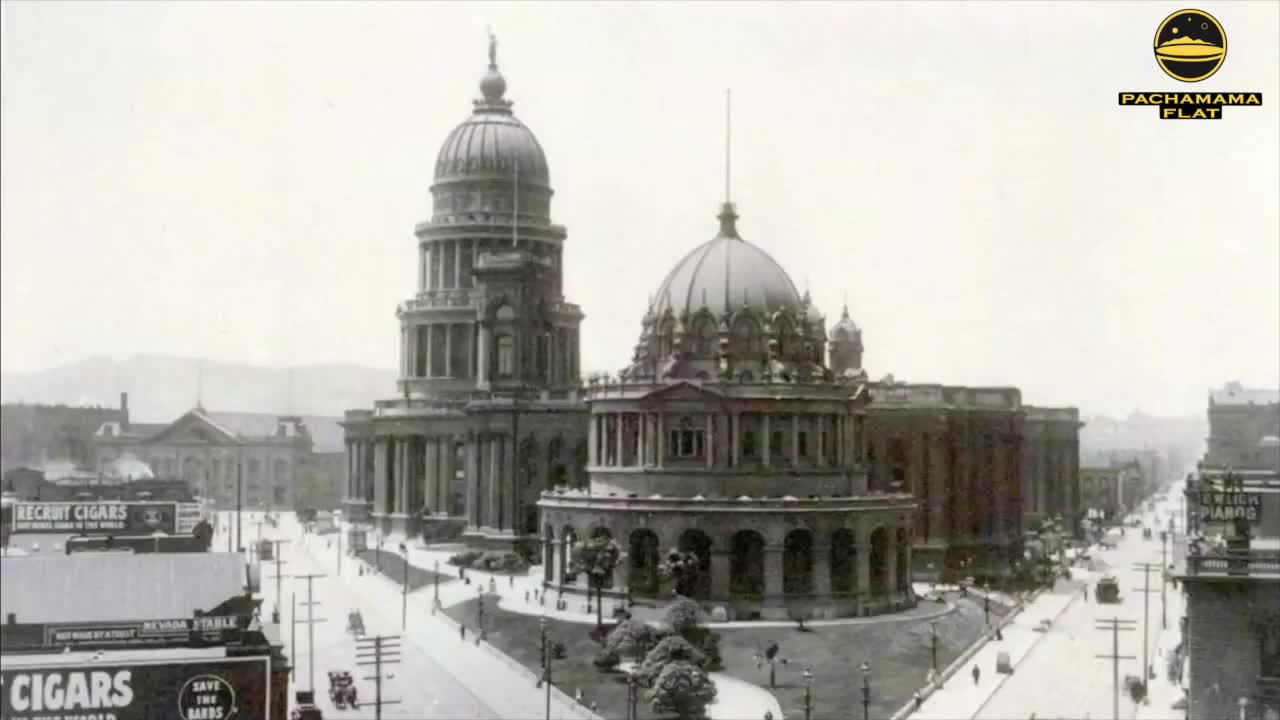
{"x":666,"y":338}
{"x":506,"y":356}
{"x":705,"y":337}
{"x":746,"y":336}
{"x":784,"y":331}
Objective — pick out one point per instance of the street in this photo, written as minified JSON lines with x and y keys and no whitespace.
{"x":1062,"y":676}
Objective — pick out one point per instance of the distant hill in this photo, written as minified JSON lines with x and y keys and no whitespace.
{"x":161,"y":388}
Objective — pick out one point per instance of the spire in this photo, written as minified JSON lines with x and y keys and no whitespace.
{"x":845,"y":314}
{"x":728,"y":215}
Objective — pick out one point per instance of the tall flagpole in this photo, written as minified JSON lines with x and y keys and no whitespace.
{"x":515,"y":213}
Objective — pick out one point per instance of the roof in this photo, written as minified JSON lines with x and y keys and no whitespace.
{"x":326,"y":432}
{"x":1233,"y":393}
{"x":92,"y":587}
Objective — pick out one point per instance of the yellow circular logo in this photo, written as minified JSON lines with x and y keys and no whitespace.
{"x":1190,"y":45}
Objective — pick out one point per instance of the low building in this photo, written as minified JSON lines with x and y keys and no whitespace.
{"x":177,"y":617}
{"x":1112,"y":491}
{"x":261,"y":461}
{"x":1231,"y":576}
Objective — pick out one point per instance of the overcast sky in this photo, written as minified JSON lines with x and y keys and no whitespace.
{"x":241,"y":182}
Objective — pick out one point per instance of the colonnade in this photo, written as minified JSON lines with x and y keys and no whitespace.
{"x":725,"y":439}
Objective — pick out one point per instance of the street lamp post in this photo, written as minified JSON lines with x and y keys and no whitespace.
{"x":437,"y":583}
{"x":404,"y":588}
{"x":546,"y":678}
{"x":480,"y":611}
{"x":866,"y":690}
{"x":808,"y":694}
{"x":542,"y":628}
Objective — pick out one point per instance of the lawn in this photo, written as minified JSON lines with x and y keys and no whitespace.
{"x":898,"y":652}
{"x":393,"y":566}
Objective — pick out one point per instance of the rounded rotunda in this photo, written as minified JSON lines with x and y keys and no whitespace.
{"x":728,"y":438}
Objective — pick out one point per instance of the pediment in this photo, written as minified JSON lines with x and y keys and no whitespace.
{"x":682,"y":392}
{"x":194,"y":429}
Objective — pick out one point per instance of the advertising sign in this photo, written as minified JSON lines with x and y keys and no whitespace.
{"x":95,"y":518}
{"x":1230,"y":506}
{"x":218,"y":629}
{"x":214,"y":689}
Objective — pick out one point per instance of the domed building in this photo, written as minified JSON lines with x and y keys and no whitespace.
{"x":487,"y":412}
{"x":729,"y":438}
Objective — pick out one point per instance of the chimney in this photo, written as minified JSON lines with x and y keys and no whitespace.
{"x":124,"y":409}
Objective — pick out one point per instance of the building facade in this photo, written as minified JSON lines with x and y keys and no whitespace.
{"x":35,"y":435}
{"x":488,"y":412}
{"x":1244,"y":428}
{"x":262,"y":461}
{"x":729,"y":438}
{"x":1051,"y":467}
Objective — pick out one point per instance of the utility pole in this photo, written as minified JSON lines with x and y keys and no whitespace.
{"x":1146,"y":569}
{"x":1164,"y":576}
{"x":311,"y":631}
{"x":378,"y":651}
{"x":1115,"y":626}
{"x":279,"y":576}
{"x":239,"y":499}
{"x":293,"y":634}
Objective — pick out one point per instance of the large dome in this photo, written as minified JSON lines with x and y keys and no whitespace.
{"x":726,"y":273}
{"x":492,"y":142}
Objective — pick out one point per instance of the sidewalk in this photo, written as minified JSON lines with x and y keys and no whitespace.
{"x":960,"y":696}
{"x":509,"y":690}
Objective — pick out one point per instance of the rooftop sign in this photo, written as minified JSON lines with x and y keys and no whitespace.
{"x":95,"y":517}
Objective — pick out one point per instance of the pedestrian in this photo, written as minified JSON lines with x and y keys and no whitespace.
{"x":526,"y":597}
{"x":513,"y":581}
{"x":462,"y":632}
{"x":999,"y":636}
{"x":919,"y":699}
{"x":977,"y":673}
{"x":577,"y":695}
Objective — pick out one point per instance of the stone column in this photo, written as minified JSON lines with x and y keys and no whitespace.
{"x":642,"y":439}
{"x":862,"y":569}
{"x":507,"y":463}
{"x":593,"y":435}
{"x":721,"y":567}
{"x":496,"y":490}
{"x":767,"y":437}
{"x":473,"y":480}
{"x":821,"y":438}
{"x":379,"y":477}
{"x":821,"y":570}
{"x":402,"y":474}
{"x":404,"y":351}
{"x":735,"y":434}
{"x":448,"y":351}
{"x":773,"y":573}
{"x":461,"y":247}
{"x":619,"y":434}
{"x":482,"y":357}
{"x":709,"y":441}
{"x":795,"y":441}
{"x":662,"y":438}
{"x":938,"y":483}
{"x":429,"y":478}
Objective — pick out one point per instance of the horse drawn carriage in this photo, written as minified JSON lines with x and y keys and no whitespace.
{"x":342,"y":690}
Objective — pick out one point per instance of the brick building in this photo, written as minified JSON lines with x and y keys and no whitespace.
{"x":35,"y":435}
{"x":1051,"y":466}
{"x":1231,"y":577}
{"x":1244,"y":428}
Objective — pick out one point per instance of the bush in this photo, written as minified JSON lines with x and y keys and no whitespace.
{"x":684,"y":689}
{"x":708,"y":643}
{"x":629,"y":637}
{"x":466,"y":558}
{"x":607,"y":660}
{"x":671,"y":649}
{"x":496,"y":561}
{"x":681,"y":615}
{"x":600,"y":633}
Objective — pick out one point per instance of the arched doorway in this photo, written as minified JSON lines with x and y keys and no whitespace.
{"x":797,"y":563}
{"x":568,"y":536}
{"x":644,"y":558}
{"x":879,"y":562}
{"x":903,"y":568}
{"x":697,"y":542}
{"x":844,"y":562}
{"x":746,"y":564}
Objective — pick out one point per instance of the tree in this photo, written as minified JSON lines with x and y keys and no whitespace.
{"x":630,"y":637}
{"x":596,"y":557}
{"x":1043,"y":549}
{"x":671,"y":649}
{"x":681,"y":615}
{"x":681,"y":569}
{"x":684,"y":689}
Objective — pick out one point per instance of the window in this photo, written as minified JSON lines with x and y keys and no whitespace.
{"x":686,"y":439}
{"x":748,"y":443}
{"x":506,"y":356}
{"x":802,"y":444}
{"x":775,"y":443}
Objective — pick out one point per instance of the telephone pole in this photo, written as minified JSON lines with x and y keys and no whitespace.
{"x":311,"y":631}
{"x":293,"y":634}
{"x":278,"y":577}
{"x":1146,"y":569}
{"x":1115,"y":625}
{"x":378,"y":651}
{"x":1165,"y":539}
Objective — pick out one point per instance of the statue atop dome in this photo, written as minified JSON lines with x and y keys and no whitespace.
{"x":493,"y":50}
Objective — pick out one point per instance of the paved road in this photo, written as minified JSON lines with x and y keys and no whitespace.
{"x":1060,"y":676}
{"x":427,"y":689}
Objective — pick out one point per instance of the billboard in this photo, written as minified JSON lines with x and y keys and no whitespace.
{"x":95,"y":517}
{"x":205,"y":629}
{"x":204,"y":689}
{"x":1230,"y":507}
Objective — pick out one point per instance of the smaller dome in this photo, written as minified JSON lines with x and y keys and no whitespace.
{"x":846,"y":327}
